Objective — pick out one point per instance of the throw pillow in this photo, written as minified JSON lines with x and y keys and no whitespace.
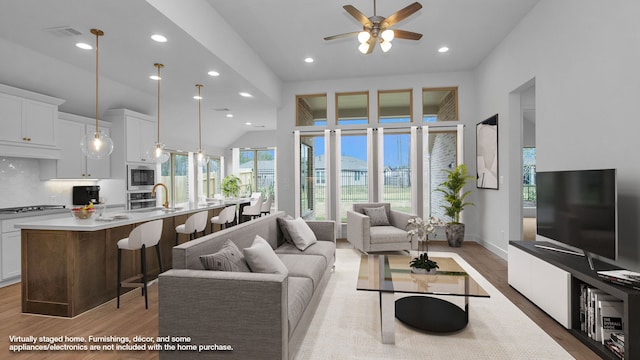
{"x":228,"y":258}
{"x":301,"y":234}
{"x":282,"y":222}
{"x":378,"y":216}
{"x":261,"y":258}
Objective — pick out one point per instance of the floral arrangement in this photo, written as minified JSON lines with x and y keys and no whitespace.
{"x":422,"y":228}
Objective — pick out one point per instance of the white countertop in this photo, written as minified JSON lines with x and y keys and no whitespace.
{"x":110,"y":220}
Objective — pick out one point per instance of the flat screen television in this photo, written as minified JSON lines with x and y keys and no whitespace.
{"x":579,"y":208}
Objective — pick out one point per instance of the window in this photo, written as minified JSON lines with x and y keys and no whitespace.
{"x":529,"y":177}
{"x":211,"y":178}
{"x":257,"y":171}
{"x":352,"y":108}
{"x":396,"y":187}
{"x":394,"y":106}
{"x":313,"y":182}
{"x":311,"y":110}
{"x":440,"y":104}
{"x":175,"y":174}
{"x":354,"y":172}
{"x":442,"y":149}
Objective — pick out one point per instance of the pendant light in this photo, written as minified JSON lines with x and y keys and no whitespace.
{"x":200,"y":156}
{"x":157,"y":153}
{"x":96,"y":145}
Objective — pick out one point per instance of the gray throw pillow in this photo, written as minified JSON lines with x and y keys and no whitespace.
{"x":301,"y":234}
{"x":378,"y":216}
{"x":282,"y":222}
{"x":262,"y":259}
{"x":228,"y":258}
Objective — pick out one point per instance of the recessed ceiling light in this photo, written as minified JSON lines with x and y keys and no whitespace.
{"x":155,"y":77}
{"x":245,"y":94}
{"x":443,"y":49}
{"x":247,"y":123}
{"x":84,"y":46}
{"x":213,"y":73}
{"x":229,"y":115}
{"x":308,"y":60}
{"x":197,"y":97}
{"x":158,"y":38}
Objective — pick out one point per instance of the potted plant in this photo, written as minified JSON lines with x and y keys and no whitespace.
{"x":452,"y":190}
{"x":231,"y":186}
{"x":418,"y":227}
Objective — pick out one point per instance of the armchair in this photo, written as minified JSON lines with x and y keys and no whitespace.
{"x":370,"y":238}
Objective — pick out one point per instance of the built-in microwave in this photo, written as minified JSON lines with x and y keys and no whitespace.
{"x":140,"y":177}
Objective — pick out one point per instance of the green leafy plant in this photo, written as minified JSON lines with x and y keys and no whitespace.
{"x":452,"y":190}
{"x":423,"y":262}
{"x":231,"y":186}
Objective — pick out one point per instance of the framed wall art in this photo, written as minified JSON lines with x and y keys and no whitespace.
{"x":487,"y":153}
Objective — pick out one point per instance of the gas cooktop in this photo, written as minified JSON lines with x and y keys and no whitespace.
{"x":28,"y":209}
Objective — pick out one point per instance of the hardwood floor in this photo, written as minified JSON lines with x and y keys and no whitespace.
{"x":133,"y":320}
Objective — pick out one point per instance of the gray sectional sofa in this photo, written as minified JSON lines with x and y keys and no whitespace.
{"x":258,"y":315}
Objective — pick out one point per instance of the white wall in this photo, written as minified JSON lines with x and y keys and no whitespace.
{"x":584,"y":56}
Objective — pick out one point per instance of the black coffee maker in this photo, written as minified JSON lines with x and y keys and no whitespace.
{"x":82,"y":195}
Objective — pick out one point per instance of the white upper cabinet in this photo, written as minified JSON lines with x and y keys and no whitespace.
{"x":28,"y":123}
{"x":140,"y":136}
{"x":73,"y":164}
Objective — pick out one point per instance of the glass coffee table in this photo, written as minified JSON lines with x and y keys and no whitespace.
{"x":389,"y":274}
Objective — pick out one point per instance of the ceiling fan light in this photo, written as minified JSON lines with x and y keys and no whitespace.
{"x":387,"y":35}
{"x":363,"y":37}
{"x":363,"y":47}
{"x":385,"y":45}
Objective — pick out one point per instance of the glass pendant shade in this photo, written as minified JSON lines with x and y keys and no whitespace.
{"x":385,"y":45}
{"x":96,"y":145}
{"x":158,"y":154}
{"x":363,"y":36}
{"x":363,"y":47}
{"x":202,"y":158}
{"x":387,"y":35}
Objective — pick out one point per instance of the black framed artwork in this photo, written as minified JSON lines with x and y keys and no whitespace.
{"x":487,"y":153}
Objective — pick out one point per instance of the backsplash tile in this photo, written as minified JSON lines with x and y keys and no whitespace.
{"x":20,"y":185}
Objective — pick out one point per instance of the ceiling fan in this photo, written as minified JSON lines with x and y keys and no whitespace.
{"x":375,"y":27}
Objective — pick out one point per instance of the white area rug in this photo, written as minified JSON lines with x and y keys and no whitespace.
{"x":347,"y":326}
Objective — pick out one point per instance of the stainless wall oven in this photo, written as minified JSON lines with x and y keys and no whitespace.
{"x":140,"y":200}
{"x":140,"y":177}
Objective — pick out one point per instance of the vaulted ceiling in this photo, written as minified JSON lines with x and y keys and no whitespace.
{"x":256,"y":46}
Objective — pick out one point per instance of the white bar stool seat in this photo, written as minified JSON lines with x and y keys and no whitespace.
{"x":195,"y":223}
{"x":266,"y":206}
{"x":141,"y":237}
{"x":253,"y":211}
{"x":226,"y":216}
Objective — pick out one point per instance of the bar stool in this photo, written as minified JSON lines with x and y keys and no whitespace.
{"x":266,"y":206}
{"x":227,"y":215}
{"x":140,"y":238}
{"x":253,"y":211}
{"x":195,"y":223}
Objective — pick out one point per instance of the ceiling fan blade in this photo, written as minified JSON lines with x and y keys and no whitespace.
{"x":372,"y":44}
{"x":403,"y":34}
{"x":362,"y":18}
{"x":340,"y":36}
{"x":401,"y":14}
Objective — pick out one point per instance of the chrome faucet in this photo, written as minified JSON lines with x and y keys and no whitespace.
{"x":165,"y":204}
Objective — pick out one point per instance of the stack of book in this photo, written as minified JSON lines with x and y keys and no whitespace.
{"x":601,"y":316}
{"x":622,"y":277}
{"x":616,"y":344}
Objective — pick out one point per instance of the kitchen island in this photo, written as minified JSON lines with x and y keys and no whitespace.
{"x":70,"y":265}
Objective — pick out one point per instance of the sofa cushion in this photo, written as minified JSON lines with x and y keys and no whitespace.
{"x":387,"y":234}
{"x":298,"y":297}
{"x":309,"y":266}
{"x":282,"y":223}
{"x":378,"y":216}
{"x":301,"y":234}
{"x":326,"y":249}
{"x":261,"y":258}
{"x":229,"y":258}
